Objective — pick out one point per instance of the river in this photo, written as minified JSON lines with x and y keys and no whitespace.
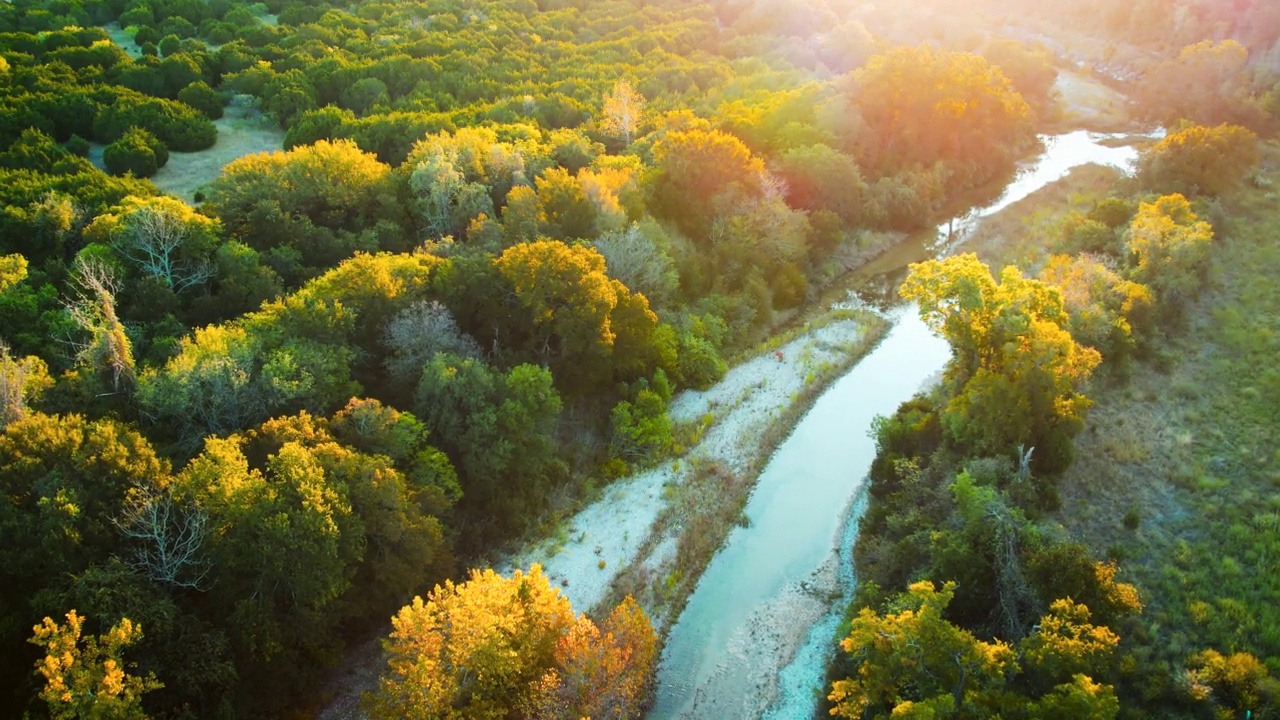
{"x":755,"y":636}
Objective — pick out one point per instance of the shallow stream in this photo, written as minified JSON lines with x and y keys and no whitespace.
{"x":754,"y":639}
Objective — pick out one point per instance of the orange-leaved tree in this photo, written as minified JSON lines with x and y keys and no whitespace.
{"x":498,"y":647}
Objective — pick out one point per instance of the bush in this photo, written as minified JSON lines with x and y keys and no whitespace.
{"x":203,"y":98}
{"x":77,"y":146}
{"x":146,"y":35}
{"x":700,"y":364}
{"x":642,"y":431}
{"x":169,"y":45}
{"x":1132,"y":519}
{"x":137,"y":152}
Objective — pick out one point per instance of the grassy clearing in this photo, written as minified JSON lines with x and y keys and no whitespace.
{"x":243,"y":130}
{"x":1190,"y":450}
{"x":123,"y":39}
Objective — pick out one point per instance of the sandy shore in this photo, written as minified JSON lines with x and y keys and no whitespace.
{"x":607,"y":536}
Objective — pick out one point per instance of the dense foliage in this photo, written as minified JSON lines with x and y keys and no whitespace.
{"x":499,"y":236}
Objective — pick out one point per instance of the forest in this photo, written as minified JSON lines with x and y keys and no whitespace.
{"x":241,"y":429}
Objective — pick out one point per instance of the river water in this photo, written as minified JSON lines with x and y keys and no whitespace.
{"x":756,"y":634}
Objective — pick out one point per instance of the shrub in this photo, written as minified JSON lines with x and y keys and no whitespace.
{"x":77,"y":146}
{"x":169,"y":45}
{"x":203,"y":98}
{"x":137,"y":152}
{"x":146,"y":35}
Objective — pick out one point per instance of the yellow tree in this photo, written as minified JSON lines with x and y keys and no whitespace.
{"x":590,"y":329}
{"x":1015,"y":368}
{"x":472,"y":650}
{"x":623,"y":111}
{"x":1172,"y":248}
{"x":1107,"y":312}
{"x":13,"y":270}
{"x":85,"y":677}
{"x":1198,"y":159}
{"x":921,"y":105}
{"x":914,"y":663}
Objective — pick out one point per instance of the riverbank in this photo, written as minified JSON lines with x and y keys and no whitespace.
{"x":651,"y":534}
{"x":754,"y":614}
{"x":779,"y":574}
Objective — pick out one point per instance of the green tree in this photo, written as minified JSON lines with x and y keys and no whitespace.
{"x":364,"y":95}
{"x":498,"y":428}
{"x":86,"y":677}
{"x":284,"y":547}
{"x":819,"y":178}
{"x":306,"y":209}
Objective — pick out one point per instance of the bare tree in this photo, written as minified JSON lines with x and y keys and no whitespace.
{"x":168,"y":537}
{"x":157,"y":238}
{"x":417,"y":333}
{"x":623,"y":110}
{"x":94,"y":310}
{"x":1017,"y":600}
